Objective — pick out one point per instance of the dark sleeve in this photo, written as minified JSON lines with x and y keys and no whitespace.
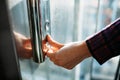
{"x":106,"y":43}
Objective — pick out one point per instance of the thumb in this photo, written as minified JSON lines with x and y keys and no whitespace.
{"x":53,"y":42}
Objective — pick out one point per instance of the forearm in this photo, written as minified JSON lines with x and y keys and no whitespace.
{"x":106,"y":43}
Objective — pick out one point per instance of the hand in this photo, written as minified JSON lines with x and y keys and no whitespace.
{"x":67,"y":56}
{"x":23,"y":46}
{"x":50,"y":45}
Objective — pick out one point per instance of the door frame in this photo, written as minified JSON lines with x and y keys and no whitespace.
{"x":9,"y":64}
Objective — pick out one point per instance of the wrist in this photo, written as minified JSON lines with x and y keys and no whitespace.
{"x":83,"y":49}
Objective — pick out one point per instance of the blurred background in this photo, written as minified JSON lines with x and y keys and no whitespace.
{"x":70,"y":20}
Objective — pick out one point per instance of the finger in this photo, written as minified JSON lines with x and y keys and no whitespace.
{"x":27,"y":44}
{"x":24,"y":53}
{"x":44,"y":41}
{"x":45,"y":49}
{"x":26,"y":41}
{"x":28,"y":53}
{"x":51,"y":56}
{"x":53,"y":42}
{"x":51,"y":53}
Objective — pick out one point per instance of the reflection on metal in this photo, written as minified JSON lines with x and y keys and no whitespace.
{"x":35,"y":29}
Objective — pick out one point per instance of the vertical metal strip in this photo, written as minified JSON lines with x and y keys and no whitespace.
{"x":35,"y":29}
